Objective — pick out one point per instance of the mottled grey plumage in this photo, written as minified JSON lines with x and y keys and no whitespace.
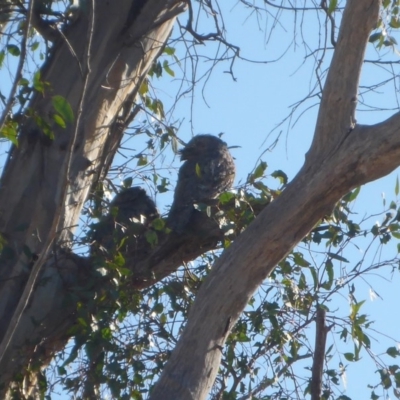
{"x":207,"y":172}
{"x":133,"y":203}
{"x":131,"y":210}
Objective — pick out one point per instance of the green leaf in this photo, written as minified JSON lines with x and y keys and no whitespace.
{"x":119,"y":260}
{"x":375,"y":230}
{"x":352,"y":195}
{"x":375,"y":37}
{"x":10,"y":132}
{"x":158,"y":308}
{"x":394,"y":22}
{"x":385,"y":378}
{"x":151,"y":237}
{"x":355,"y":308}
{"x":242,"y":337}
{"x":163,"y":319}
{"x":169,"y":50}
{"x":62,"y":106}
{"x":163,"y":187}
{"x":226,"y":197}
{"x":391,"y":40}
{"x":332,"y":6}
{"x":396,"y":188}
{"x":124,"y":271}
{"x":349,"y":356}
{"x":302,"y":282}
{"x":258,"y":172}
{"x":393,"y":352}
{"x":281,"y":176}
{"x":2,"y":56}
{"x":337,"y":257}
{"x":82,"y":322}
{"x":158,"y":224}
{"x":156,"y":69}
{"x":263,"y":188}
{"x":329,"y":269}
{"x":198,"y":170}
{"x":38,"y":84}
{"x":59,"y":121}
{"x":298,"y":258}
{"x":230,"y":356}
{"x":314,"y":276}
{"x":394,"y":229}
{"x":174,"y":144}
{"x":44,"y":126}
{"x":34,"y":46}
{"x":167,"y":68}
{"x":397,"y":379}
{"x":23,"y":82}
{"x":142,"y":161}
{"x":144,"y":87}
{"x":374,"y":396}
{"x":366,"y":340}
{"x":158,"y":107}
{"x":127,"y":182}
{"x":14,"y":50}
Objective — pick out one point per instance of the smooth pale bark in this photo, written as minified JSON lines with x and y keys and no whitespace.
{"x":343,"y":156}
{"x":98,"y":66}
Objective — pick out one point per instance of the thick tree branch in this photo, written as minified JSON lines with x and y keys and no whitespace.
{"x":339,"y":99}
{"x":334,"y":165}
{"x":378,"y":148}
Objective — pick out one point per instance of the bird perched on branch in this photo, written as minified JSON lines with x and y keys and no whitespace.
{"x":207,"y":172}
{"x":133,"y":203}
{"x":130,"y":213}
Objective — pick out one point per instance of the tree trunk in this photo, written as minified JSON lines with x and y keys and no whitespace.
{"x":343,"y":156}
{"x":97,"y":66}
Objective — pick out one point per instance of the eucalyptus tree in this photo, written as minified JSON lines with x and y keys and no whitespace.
{"x":66,"y":119}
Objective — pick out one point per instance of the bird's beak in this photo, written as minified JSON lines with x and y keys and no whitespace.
{"x":185,"y":153}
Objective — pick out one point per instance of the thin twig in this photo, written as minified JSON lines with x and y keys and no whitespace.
{"x":18,"y":75}
{"x":321,"y":332}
